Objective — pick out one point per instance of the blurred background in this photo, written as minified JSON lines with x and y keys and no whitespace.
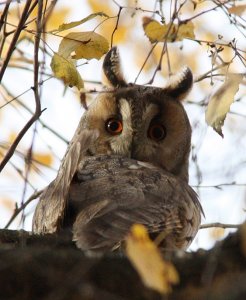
{"x":217,"y":165}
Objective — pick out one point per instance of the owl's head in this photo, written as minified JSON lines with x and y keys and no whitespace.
{"x":142,"y":122}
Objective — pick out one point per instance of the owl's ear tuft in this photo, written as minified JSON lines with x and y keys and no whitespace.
{"x":180,"y":84}
{"x":112,"y":68}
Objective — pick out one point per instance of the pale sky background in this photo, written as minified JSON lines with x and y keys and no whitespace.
{"x":220,"y":160}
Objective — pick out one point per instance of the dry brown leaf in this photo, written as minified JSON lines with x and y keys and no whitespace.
{"x":64,"y":69}
{"x":156,"y":273}
{"x":220,"y":102}
{"x":237,"y":9}
{"x":86,"y":45}
{"x":157,"y":32}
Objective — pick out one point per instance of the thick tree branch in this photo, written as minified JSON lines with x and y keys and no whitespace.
{"x":52,"y":268}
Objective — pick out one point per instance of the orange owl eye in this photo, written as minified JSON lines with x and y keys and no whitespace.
{"x":114,"y":126}
{"x":157,"y":132}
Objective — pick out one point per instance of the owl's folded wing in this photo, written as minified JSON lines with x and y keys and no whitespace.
{"x":51,"y":206}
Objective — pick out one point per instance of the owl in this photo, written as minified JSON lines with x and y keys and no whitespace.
{"x":127,"y":163}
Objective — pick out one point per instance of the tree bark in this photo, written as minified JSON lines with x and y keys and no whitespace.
{"x":51,"y":267}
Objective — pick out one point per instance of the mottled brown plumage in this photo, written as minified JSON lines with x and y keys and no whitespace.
{"x":127,"y":163}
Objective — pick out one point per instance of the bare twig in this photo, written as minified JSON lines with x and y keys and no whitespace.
{"x":36,"y":84}
{"x":144,"y":63}
{"x":17,"y":169}
{"x":25,"y":14}
{"x":4,"y":14}
{"x":219,"y":186}
{"x":220,"y":225}
{"x":36,"y":95}
{"x":205,"y":75}
{"x":158,"y":68}
{"x":116,"y":25}
{"x":23,"y":206}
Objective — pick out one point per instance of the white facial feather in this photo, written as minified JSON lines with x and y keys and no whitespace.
{"x":121,"y":144}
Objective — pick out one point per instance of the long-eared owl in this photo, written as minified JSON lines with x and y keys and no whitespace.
{"x":127,"y":163}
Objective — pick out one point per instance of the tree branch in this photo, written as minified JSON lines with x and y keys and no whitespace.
{"x":19,"y":28}
{"x":36,"y":72}
{"x":23,"y":206}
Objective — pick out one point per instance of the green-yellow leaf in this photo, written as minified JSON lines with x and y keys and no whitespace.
{"x":220,"y":102}
{"x":66,"y":26}
{"x":157,"y":32}
{"x":155,"y":272}
{"x":64,"y":69}
{"x":86,"y":45}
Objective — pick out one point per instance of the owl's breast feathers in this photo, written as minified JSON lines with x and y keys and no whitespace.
{"x":109,"y":194}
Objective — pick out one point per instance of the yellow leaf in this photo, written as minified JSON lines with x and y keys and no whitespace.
{"x":43,"y":158}
{"x":12,"y":137}
{"x":220,"y":102}
{"x":86,"y":45}
{"x":7,"y":203}
{"x":217,"y":233}
{"x":157,"y":32}
{"x":107,"y":28}
{"x":197,"y":1}
{"x":58,"y":16}
{"x":99,"y":5}
{"x":154,"y":30}
{"x":70,"y":25}
{"x":237,"y":10}
{"x":147,"y":260}
{"x":185,"y":31}
{"x":64,"y":69}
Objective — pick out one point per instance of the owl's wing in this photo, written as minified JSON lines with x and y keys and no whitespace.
{"x":51,"y":206}
{"x":167,"y":206}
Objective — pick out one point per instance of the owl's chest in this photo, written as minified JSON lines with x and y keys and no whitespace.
{"x":115,"y":177}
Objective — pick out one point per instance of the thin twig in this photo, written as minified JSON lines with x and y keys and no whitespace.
{"x":36,"y":96}
{"x":205,"y":75}
{"x":17,"y":169}
{"x":4,"y":14}
{"x":38,"y":111}
{"x":19,"y":28}
{"x":145,"y":61}
{"x":219,"y":186}
{"x":116,"y":25}
{"x":220,"y":225}
{"x":23,"y":206}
